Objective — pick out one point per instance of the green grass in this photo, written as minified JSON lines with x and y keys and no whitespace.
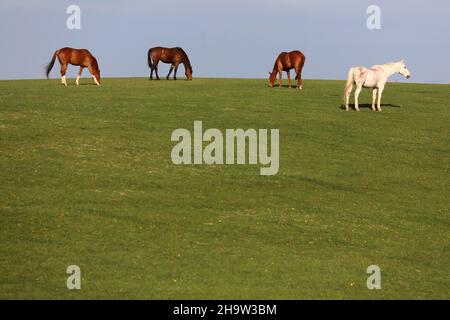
{"x":86,"y":178}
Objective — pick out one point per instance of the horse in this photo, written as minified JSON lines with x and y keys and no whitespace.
{"x":285,"y":62}
{"x":375,"y":78}
{"x":174,"y":56}
{"x":76,"y":57}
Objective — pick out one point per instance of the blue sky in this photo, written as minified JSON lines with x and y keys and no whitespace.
{"x":232,"y":38}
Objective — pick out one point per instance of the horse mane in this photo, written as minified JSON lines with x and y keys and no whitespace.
{"x":185,"y":58}
{"x":275,"y":66}
{"x":390,"y":64}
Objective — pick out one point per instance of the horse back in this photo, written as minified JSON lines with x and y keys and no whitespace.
{"x":297,"y":57}
{"x":288,"y":60}
{"x":168,"y":55}
{"x":77,"y":57}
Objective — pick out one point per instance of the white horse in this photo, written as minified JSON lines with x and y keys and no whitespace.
{"x":374,"y":78}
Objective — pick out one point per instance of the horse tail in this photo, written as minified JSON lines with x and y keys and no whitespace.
{"x":349,"y":84}
{"x":49,"y":66}
{"x":302,"y":63}
{"x":149,"y":57}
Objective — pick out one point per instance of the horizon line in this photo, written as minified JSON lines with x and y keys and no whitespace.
{"x":231,"y":78}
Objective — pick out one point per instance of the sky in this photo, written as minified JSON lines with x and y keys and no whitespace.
{"x":229,"y":38}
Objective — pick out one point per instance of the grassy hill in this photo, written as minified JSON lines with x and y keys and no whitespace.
{"x":86,"y":178}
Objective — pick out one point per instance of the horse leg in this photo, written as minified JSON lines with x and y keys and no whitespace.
{"x":347,"y":95}
{"x":280,"y":81}
{"x":155,"y":67}
{"x":299,"y":80}
{"x":170,"y":71}
{"x":374,"y":97}
{"x":79,"y":75}
{"x":63,"y":74}
{"x":357,"y":92}
{"x":175,"y":71}
{"x":151,"y":72}
{"x":380,"y":92}
{"x":91,"y":70}
{"x":289,"y":78}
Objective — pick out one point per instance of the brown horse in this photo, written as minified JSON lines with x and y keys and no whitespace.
{"x":285,"y":62}
{"x":174,"y":56}
{"x":76,"y":57}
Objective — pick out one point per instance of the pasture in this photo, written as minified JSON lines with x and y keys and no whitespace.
{"x":86,"y":178}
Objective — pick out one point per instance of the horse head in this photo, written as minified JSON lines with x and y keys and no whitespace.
{"x":272,"y":76}
{"x":403,"y":69}
{"x":188,"y":73}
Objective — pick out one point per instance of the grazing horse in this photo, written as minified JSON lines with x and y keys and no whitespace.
{"x":285,"y":62}
{"x":375,"y":78}
{"x":174,"y":56}
{"x":76,"y":57}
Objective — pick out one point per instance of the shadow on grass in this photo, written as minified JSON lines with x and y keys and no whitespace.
{"x":369,"y":106}
{"x":170,"y":79}
{"x":286,"y":86}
